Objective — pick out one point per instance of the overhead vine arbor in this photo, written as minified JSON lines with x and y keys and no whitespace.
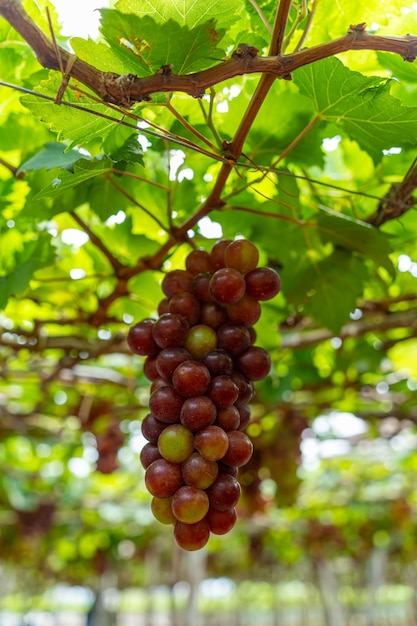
{"x":291,"y":124}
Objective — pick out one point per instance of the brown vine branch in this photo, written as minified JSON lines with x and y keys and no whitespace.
{"x":398,"y":201}
{"x":115,"y":263}
{"x":126,"y":89}
{"x":379,"y":322}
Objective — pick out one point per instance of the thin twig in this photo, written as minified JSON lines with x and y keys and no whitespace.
{"x":136,"y":203}
{"x":115,"y":263}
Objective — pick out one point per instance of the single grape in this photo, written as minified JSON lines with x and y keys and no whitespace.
{"x":233,"y":338}
{"x":186,"y":304}
{"x":227,"y":469}
{"x":162,"y":510}
{"x":254,"y":363}
{"x":227,"y":286}
{"x":211,"y":442}
{"x":163,"y":478}
{"x":224,"y":493}
{"x":200,"y":339}
{"x":198,"y":262}
{"x":263,"y":283}
{"x":218,"y":362}
{"x":199,"y":472}
{"x":151,"y":428}
{"x":149,"y":454}
{"x":191,"y":378}
{"x":175,"y":281}
{"x":200,"y":287}
{"x":221,"y":522}
{"x":190,"y":504}
{"x":198,"y":412}
{"x":223,"y":391}
{"x":163,"y":306}
{"x":242,"y":255}
{"x":165,"y":404}
{"x":192,"y":537}
{"x":140,"y":338}
{"x":246,"y":388}
{"x":228,"y":418}
{"x":149,"y":368}
{"x":168,"y":359}
{"x":158,"y":383}
{"x":245,"y":415}
{"x":240,"y":449}
{"x":247,"y":311}
{"x":217,"y":253}
{"x":170,"y":330}
{"x":176,"y":443}
{"x":212,"y":314}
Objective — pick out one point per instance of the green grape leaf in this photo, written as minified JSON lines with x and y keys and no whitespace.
{"x":361,"y":105}
{"x":83,"y":170}
{"x":100,"y":55}
{"x":187,"y":12}
{"x":351,"y":234}
{"x":33,"y":256}
{"x":80,"y":127}
{"x":143,"y":45}
{"x":328,"y":289}
{"x":53,"y":155}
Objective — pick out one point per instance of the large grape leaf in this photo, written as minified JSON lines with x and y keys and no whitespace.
{"x":361,"y":105}
{"x":351,"y":234}
{"x":80,"y":127}
{"x":33,"y":256}
{"x":83,"y":171}
{"x":54,"y":154}
{"x":327,"y":289}
{"x":143,"y":45}
{"x":187,"y":12}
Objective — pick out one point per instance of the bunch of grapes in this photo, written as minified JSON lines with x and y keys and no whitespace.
{"x":202,"y":361}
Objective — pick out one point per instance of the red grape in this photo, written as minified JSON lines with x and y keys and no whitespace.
{"x":149,"y":454}
{"x":242,"y":255}
{"x":198,"y":412}
{"x":247,"y":311}
{"x":218,"y":362}
{"x":140,"y":338}
{"x":170,"y":330}
{"x":217,"y":253}
{"x":263,"y":283}
{"x":224,"y":493}
{"x":151,"y":428}
{"x":199,"y":472}
{"x":198,"y":262}
{"x":227,"y":286}
{"x":165,"y":404}
{"x":240,"y":449}
{"x":223,"y":391}
{"x":221,"y":522}
{"x":192,"y":536}
{"x":254,"y":363}
{"x":187,"y":305}
{"x":190,"y":504}
{"x":163,"y":478}
{"x":175,"y":281}
{"x":211,"y":443}
{"x":168,"y":359}
{"x":191,"y":378}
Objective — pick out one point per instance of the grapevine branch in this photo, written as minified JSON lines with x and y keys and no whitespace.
{"x":399,"y":200}
{"x":126,"y":89}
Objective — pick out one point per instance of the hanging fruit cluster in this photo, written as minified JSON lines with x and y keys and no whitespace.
{"x":202,"y":362}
